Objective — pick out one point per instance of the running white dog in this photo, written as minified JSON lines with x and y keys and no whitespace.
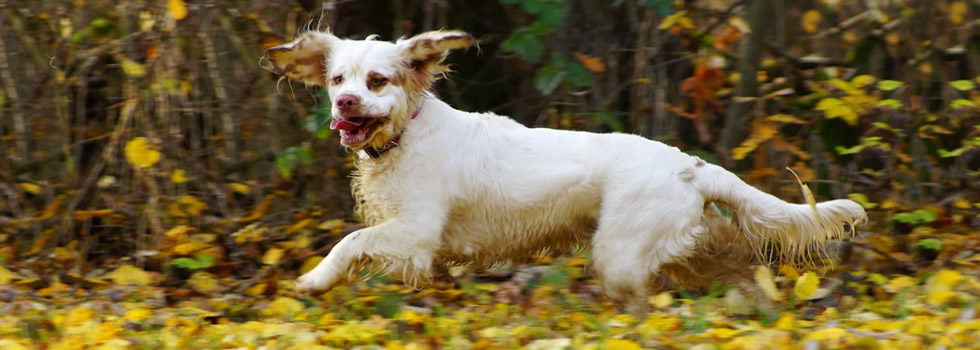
{"x":441,"y":187}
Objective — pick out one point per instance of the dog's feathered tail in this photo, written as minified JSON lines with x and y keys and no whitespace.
{"x":775,"y":229}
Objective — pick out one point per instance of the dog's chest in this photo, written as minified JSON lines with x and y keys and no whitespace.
{"x":372,"y":189}
{"x":493,"y":228}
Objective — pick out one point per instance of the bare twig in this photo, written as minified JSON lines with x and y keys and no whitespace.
{"x":10,"y":89}
{"x":227,"y":123}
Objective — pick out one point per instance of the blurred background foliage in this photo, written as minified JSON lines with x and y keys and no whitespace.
{"x":145,"y":132}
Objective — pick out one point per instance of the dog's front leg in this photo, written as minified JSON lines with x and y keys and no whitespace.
{"x":406,"y":247}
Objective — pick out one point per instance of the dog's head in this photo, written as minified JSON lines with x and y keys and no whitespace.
{"x":374,"y":86}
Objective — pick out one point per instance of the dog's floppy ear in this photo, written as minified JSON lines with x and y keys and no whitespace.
{"x":425,"y":52}
{"x":304,"y":59}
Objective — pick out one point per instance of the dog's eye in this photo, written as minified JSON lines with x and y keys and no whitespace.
{"x":377,"y":82}
{"x":338,"y":79}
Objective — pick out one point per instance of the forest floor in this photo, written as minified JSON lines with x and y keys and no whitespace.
{"x":550,"y":305}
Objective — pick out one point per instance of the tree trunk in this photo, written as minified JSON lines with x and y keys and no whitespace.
{"x":751,"y":53}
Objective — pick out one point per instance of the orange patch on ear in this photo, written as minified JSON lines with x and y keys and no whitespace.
{"x":302,"y":60}
{"x":425,"y":52}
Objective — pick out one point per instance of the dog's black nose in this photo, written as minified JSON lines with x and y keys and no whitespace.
{"x":347,"y":101}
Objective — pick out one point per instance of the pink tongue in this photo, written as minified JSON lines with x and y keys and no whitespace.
{"x":345,"y":125}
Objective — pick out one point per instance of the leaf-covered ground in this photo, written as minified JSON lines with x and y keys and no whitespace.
{"x":552,"y":305}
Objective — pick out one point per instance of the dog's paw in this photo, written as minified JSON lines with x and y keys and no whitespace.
{"x":310,"y":284}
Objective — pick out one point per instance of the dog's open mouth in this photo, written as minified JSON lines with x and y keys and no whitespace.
{"x":354,"y":131}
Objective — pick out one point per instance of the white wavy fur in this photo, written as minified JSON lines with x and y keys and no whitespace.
{"x":480,"y":189}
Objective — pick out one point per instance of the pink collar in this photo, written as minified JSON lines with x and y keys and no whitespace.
{"x":417,"y":110}
{"x":375,"y":153}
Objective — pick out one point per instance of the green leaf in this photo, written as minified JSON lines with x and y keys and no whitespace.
{"x":961,"y":103}
{"x":184,"y":263}
{"x":204,"y":261}
{"x":319,"y":123}
{"x":323,"y":133}
{"x":305,"y":155}
{"x":533,"y":6}
{"x":861,"y":199}
{"x":889,"y":85}
{"x":525,"y":44}
{"x":930,"y":243}
{"x":540,"y":28}
{"x":509,"y":2}
{"x":926,"y":215}
{"x":577,"y":75}
{"x":851,"y":150}
{"x":963,"y":85}
{"x":101,"y":24}
{"x":885,"y":126}
{"x":547,"y":79}
{"x":944,"y":153}
{"x":551,"y":15}
{"x":389,"y":305}
{"x":556,"y":276}
{"x":917,"y":217}
{"x":890,"y":103}
{"x":905,"y":218}
{"x":286,"y":163}
{"x":663,"y":7}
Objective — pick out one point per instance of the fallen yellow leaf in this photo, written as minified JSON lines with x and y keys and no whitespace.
{"x":811,"y":21}
{"x":6,"y":276}
{"x":958,"y":11}
{"x":310,"y":263}
{"x":661,"y":300}
{"x":30,"y":188}
{"x":622,"y":344}
{"x":786,"y":321}
{"x":139,"y":153}
{"x":177,"y":9}
{"x":78,"y":316}
{"x":283,"y":306}
{"x":132,"y":68}
{"x":186,"y":205}
{"x":272,"y":256}
{"x":299,"y":225}
{"x":130,"y":275}
{"x":188,"y":248}
{"x":765,"y":281}
{"x":137,"y":315}
{"x":897,"y":284}
{"x":806,"y":285}
{"x":723,"y":333}
{"x":204,"y":283}
{"x":239,"y":187}
{"x":939,"y":289}
{"x":178,"y":233}
{"x":11,"y":344}
{"x":178,"y":176}
{"x":789,"y":272}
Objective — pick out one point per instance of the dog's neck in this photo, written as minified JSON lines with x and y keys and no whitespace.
{"x":375,"y":153}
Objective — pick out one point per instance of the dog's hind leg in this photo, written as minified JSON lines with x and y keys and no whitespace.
{"x":624,"y":278}
{"x":722,"y":258}
{"x":629,"y":249}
